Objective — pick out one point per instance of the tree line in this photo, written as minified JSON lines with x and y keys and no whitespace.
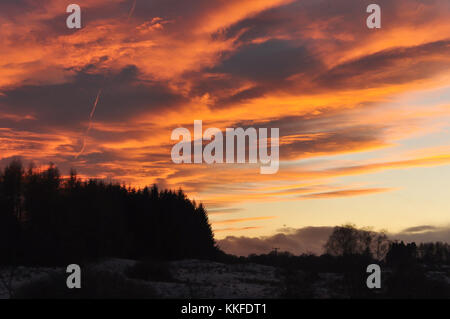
{"x":48,"y":220}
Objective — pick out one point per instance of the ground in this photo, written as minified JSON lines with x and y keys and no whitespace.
{"x":191,"y":279}
{"x":207,"y":279}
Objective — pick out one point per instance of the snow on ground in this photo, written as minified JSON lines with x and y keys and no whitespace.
{"x":204,"y":279}
{"x":191,"y":279}
{"x":115,"y":265}
{"x":323,"y":286}
{"x":20,"y":276}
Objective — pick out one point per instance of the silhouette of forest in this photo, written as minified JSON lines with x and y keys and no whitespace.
{"x":48,"y":220}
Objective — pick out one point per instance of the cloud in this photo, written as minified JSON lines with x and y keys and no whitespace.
{"x":335,"y":141}
{"x":269,"y":62}
{"x":124,"y":96}
{"x":391,"y":66}
{"x":212,"y":211}
{"x":240,"y":220}
{"x":296,"y":241}
{"x":346,"y":193}
{"x":419,"y":229}
{"x":424,"y":233}
{"x":235,"y":229}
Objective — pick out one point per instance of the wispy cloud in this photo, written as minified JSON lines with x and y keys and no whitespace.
{"x":347,"y":193}
{"x":240,"y":220}
{"x":233,"y":229}
{"x":420,"y":229}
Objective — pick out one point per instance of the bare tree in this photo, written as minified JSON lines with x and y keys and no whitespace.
{"x":349,"y":240}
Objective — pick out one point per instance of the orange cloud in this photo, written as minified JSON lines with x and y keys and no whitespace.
{"x":233,"y":229}
{"x":240,"y":220}
{"x":347,"y":193}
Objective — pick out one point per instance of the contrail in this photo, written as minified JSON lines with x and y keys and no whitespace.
{"x":91,"y":116}
{"x":95,"y":104}
{"x":132,"y":10}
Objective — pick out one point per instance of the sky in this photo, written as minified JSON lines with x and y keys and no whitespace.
{"x":363,"y":114}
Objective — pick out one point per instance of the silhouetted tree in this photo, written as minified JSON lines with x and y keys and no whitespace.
{"x":348,"y":240}
{"x":400,"y":254}
{"x":434,"y":253}
{"x":11,"y":208}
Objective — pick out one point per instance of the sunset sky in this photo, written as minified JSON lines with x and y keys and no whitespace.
{"x":364,"y":114}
